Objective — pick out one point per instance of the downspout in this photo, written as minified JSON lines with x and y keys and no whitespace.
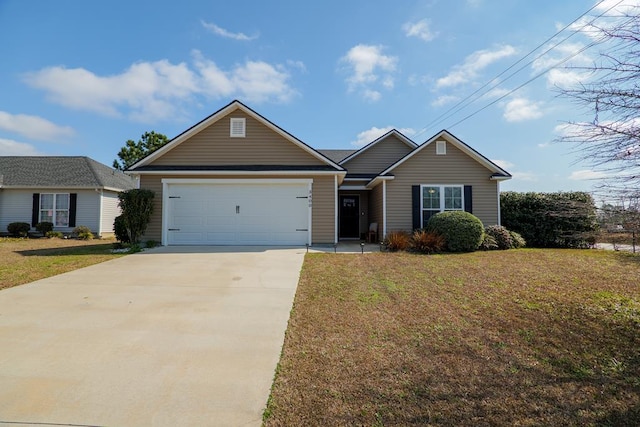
{"x":384,"y":209}
{"x":100,"y":207}
{"x":335,"y":209}
{"x":499,"y":213}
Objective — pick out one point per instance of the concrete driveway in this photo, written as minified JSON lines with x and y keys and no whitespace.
{"x":168,"y":337}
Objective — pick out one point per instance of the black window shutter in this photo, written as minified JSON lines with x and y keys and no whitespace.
{"x":468,"y":201}
{"x":73,"y":201}
{"x":35,"y":210}
{"x":415,"y":206}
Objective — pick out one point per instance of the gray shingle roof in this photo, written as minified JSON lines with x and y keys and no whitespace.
{"x":63,"y":172}
{"x":336,"y":155}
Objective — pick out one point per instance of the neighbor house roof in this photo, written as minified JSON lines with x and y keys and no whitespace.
{"x":336,"y":155}
{"x":60,"y":172}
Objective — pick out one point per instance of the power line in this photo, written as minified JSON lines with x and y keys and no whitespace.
{"x":464,"y":103}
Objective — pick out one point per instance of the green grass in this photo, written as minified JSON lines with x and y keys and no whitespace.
{"x":26,"y":260}
{"x":520,"y":337}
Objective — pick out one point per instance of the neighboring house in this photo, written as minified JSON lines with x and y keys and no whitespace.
{"x":67,"y":191}
{"x":237,"y":178}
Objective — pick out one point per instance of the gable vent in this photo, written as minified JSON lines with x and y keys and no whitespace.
{"x":237,"y":127}
{"x":441,"y":148}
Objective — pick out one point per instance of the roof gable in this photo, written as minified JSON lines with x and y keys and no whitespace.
{"x":498,"y":172}
{"x":60,"y":172}
{"x":393,"y":132}
{"x":214,"y":146}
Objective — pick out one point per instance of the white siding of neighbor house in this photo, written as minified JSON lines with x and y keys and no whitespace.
{"x":110,"y":210}
{"x":16,"y":206}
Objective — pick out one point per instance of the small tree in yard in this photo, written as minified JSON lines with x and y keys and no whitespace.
{"x":137,"y":207}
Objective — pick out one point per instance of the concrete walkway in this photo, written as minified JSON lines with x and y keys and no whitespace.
{"x":167,"y":337}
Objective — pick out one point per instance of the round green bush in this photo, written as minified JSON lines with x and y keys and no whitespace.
{"x":120,"y":229}
{"x":517,"y":241}
{"x":82,"y":232}
{"x":502,"y":236}
{"x":461,"y":230}
{"x":44,"y":227}
{"x":19,"y":229}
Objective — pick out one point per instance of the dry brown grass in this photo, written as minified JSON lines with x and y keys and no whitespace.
{"x":25,"y":260}
{"x":527,"y":337}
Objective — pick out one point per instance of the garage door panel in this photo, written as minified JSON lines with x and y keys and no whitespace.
{"x":228,"y":214}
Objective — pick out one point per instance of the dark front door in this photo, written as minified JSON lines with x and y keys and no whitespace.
{"x":350,"y":217}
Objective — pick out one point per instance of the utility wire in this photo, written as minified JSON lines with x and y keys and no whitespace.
{"x":464,"y":103}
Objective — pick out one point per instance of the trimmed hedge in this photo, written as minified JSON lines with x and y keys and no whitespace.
{"x":461,"y":230}
{"x":19,"y":229}
{"x":551,"y":220}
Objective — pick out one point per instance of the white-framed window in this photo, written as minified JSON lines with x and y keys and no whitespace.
{"x":440,"y":198}
{"x":55,"y":208}
{"x":441,"y":148}
{"x":237,"y":129}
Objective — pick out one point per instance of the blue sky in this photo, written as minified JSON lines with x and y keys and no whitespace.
{"x":81,"y":77}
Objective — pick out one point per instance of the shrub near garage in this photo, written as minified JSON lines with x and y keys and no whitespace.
{"x":461,"y":230}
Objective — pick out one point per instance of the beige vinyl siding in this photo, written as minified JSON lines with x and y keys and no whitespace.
{"x":260,"y":146}
{"x":375,"y":208}
{"x":322,"y":211}
{"x":110,"y":210}
{"x":428,"y":168}
{"x":17,"y":205}
{"x":378,"y":157}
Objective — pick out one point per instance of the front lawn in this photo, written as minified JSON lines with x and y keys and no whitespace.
{"x":521,"y":337}
{"x":25,"y":260}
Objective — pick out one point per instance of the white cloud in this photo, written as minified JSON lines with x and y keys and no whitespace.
{"x":568,"y":73}
{"x":258,"y":82}
{"x":504,"y":164}
{"x":473,"y":64}
{"x":521,"y":109}
{"x":444,"y":100}
{"x":225,"y":33}
{"x":152,"y":91}
{"x":374,"y":133}
{"x":368,"y":65}
{"x":371,"y":95}
{"x":419,"y":29}
{"x":524,"y":176}
{"x":624,"y":6}
{"x":34,"y":127}
{"x":586,"y":174}
{"x":9,"y":147}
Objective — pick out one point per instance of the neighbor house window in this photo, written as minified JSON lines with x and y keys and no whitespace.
{"x":55,"y":208}
{"x":440,"y":198}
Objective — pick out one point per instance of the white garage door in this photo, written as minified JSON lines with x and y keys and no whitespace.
{"x":238,"y":213}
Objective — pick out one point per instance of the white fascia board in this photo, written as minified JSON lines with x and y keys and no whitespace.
{"x":232,"y":173}
{"x":235,"y":181}
{"x":354,"y":187}
{"x":378,"y":179}
{"x":500,"y":178}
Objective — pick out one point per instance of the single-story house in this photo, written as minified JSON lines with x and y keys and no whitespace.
{"x":67,"y":191}
{"x":237,"y":178}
